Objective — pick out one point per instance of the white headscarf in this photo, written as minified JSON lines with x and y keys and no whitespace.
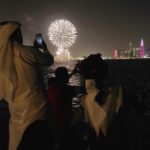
{"x":94,"y":113}
{"x":98,"y":116}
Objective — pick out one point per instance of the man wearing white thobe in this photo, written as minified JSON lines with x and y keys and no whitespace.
{"x":21,"y":83}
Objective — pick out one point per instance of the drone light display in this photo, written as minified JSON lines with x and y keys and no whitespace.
{"x":62,"y":33}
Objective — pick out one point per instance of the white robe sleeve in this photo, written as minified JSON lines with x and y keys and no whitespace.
{"x":32,"y":55}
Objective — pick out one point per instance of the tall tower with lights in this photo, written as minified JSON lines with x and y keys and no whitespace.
{"x":142,"y":48}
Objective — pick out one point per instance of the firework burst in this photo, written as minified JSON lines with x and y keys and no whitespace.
{"x":62,"y":33}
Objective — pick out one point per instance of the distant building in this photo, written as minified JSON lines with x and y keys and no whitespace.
{"x":147,"y":52}
{"x":142,"y":49}
{"x":132,"y":52}
{"x":115,"y":54}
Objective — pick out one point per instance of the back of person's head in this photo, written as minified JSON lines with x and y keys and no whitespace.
{"x":93,"y":67}
{"x":62,"y":75}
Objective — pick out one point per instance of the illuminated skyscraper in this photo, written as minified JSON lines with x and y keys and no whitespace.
{"x":115,"y":53}
{"x":142,"y":49}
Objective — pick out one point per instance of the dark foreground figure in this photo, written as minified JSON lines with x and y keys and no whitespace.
{"x":38,"y":136}
{"x":101,"y":104}
{"x":21,"y":81}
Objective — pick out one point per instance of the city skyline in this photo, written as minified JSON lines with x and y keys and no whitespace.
{"x":132,"y":52}
{"x":102,"y":25}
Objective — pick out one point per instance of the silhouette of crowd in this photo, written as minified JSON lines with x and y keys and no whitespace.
{"x":42,"y":119}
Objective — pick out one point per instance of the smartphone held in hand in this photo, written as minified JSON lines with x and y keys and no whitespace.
{"x":39,"y":39}
{"x":39,"y":43}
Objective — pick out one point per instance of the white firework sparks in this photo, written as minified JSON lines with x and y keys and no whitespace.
{"x":62,"y":33}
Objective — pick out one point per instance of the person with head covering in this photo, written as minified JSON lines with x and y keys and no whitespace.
{"x":101,"y":101}
{"x":21,"y":83}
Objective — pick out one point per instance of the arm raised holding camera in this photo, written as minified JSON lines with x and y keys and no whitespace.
{"x":38,"y":54}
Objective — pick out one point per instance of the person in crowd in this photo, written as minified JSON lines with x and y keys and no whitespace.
{"x":144,"y":104}
{"x":37,"y":136}
{"x":21,"y":83}
{"x":129,"y":114}
{"x":101,"y":103}
{"x":39,"y":43}
{"x":130,"y":98}
{"x":4,"y":126}
{"x":60,"y":96}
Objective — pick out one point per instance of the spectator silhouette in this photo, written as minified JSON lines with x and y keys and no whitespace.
{"x":21,"y":80}
{"x":101,"y":103}
{"x":37,"y":136}
{"x":145,"y":100}
{"x":129,"y":115}
{"x":130,"y":99}
{"x":60,"y":96}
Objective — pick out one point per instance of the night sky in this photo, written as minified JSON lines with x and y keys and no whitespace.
{"x":102,"y":25}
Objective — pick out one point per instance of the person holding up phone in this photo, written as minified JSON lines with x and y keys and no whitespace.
{"x":22,"y":85}
{"x":40,"y":46}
